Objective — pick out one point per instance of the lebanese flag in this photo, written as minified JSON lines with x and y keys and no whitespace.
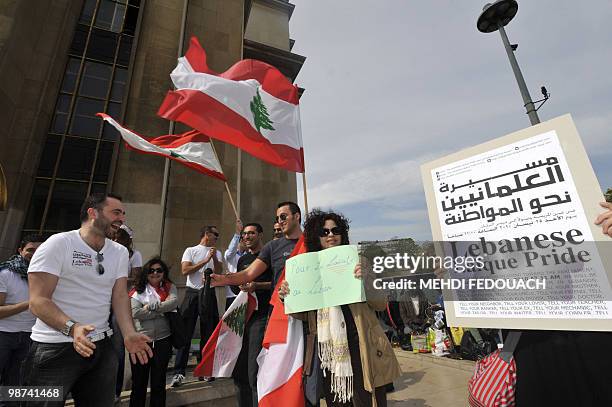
{"x":220,"y":353}
{"x":191,"y":149}
{"x":252,"y":106}
{"x":279,"y":380}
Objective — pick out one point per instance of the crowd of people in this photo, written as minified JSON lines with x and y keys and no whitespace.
{"x":73,"y":304}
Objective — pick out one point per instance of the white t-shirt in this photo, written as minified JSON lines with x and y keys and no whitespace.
{"x":81,"y":293}
{"x":195,"y":255}
{"x":135,"y":260}
{"x":16,"y":289}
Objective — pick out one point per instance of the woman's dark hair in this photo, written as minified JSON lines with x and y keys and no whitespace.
{"x":142,"y":278}
{"x":315,"y":222}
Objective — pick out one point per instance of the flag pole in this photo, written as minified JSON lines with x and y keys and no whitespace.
{"x":212,"y":145}
{"x":171,"y":126}
{"x":304,"y":187}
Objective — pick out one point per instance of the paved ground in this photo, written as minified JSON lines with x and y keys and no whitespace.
{"x":429,"y":381}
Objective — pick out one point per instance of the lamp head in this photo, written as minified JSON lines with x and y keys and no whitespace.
{"x":493,"y":14}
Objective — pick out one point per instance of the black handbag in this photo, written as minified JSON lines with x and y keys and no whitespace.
{"x":177,"y":327}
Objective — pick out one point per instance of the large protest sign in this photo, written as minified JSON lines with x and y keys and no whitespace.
{"x":526,"y":202}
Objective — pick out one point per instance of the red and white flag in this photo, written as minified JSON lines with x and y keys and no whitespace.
{"x":220,"y":353}
{"x":252,"y":106}
{"x":281,"y":361}
{"x":192,"y":149}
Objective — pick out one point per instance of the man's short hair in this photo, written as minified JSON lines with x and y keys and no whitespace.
{"x":207,"y":229}
{"x":32,"y":238}
{"x":96,"y":201}
{"x":293,"y":207}
{"x":256,"y":225}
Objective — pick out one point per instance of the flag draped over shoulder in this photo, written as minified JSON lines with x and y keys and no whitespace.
{"x":252,"y":106}
{"x":220,"y":353}
{"x":191,"y":149}
{"x":279,"y":380}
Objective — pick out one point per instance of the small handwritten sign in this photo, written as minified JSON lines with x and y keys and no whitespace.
{"x":323,"y":279}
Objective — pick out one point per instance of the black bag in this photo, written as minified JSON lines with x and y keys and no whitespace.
{"x":471,"y":349}
{"x":177,"y":327}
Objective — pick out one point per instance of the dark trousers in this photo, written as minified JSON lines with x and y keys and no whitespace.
{"x":14,"y":347}
{"x":190,"y":311}
{"x":90,"y":380}
{"x":120,"y":350}
{"x":396,"y":316}
{"x":361,"y":397}
{"x":245,"y":371}
{"x":155,"y":368}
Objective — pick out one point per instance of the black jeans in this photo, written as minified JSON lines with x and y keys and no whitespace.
{"x":155,"y":368}
{"x":245,"y":371}
{"x":14,"y":347}
{"x":190,"y":311}
{"x":90,"y":380}
{"x":120,"y":349}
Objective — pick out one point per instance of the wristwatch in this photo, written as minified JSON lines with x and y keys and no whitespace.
{"x":68,"y":327}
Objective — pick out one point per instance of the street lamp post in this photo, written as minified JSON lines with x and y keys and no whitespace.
{"x":495,"y":17}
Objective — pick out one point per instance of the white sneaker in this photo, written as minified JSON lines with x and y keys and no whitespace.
{"x":177,"y":380}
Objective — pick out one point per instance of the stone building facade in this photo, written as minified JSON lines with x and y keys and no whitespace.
{"x":65,"y":60}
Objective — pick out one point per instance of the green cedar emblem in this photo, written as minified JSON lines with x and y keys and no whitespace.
{"x":260,"y":113}
{"x":177,"y":155}
{"x":235,"y":320}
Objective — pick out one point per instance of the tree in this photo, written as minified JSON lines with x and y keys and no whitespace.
{"x":260,"y":113}
{"x":608,"y":195}
{"x":235,"y":320}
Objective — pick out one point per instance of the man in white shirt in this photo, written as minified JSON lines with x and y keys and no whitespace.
{"x":75,"y":277}
{"x":195,"y":261}
{"x":234,"y":251}
{"x":15,"y":319}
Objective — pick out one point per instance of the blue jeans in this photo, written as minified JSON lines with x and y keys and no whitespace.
{"x":90,"y":380}
{"x":14,"y":348}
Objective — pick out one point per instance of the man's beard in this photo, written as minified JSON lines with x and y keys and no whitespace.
{"x":104,"y":226}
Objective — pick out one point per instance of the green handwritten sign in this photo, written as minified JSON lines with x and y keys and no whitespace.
{"x":323,"y":279}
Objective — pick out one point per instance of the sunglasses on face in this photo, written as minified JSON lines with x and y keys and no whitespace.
{"x":336,"y":231}
{"x":250,"y":233}
{"x":278,"y":230}
{"x":216,"y":234}
{"x":281,"y":218}
{"x":155,"y":270}
{"x":100,"y":259}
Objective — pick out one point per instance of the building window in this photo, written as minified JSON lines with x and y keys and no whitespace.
{"x":77,"y":154}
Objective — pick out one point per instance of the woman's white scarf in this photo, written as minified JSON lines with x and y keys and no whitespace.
{"x":334,"y":351}
{"x":148,"y":296}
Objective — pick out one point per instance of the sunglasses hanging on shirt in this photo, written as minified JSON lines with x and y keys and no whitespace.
{"x":100,"y":259}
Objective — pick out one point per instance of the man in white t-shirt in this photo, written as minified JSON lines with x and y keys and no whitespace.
{"x":195,"y":261}
{"x":75,"y":277}
{"x":15,"y":319}
{"x":233,"y":253}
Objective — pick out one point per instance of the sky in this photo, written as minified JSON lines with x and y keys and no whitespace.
{"x":392,"y":84}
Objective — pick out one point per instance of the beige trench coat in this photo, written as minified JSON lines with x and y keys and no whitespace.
{"x":378,"y":361}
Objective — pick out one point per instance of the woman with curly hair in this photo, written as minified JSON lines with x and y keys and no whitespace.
{"x":153,"y":295}
{"x":356,"y":358}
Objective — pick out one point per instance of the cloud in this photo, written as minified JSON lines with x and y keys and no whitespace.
{"x":393,"y":84}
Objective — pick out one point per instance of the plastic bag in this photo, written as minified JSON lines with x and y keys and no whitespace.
{"x":441,"y":344}
{"x":457,"y":334}
{"x":420,"y":344}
